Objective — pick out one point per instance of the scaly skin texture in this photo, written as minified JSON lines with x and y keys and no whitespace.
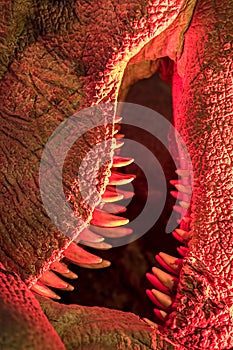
{"x":71,"y":66}
{"x":62,"y":72}
{"x":23,"y":325}
{"x":204,"y":118}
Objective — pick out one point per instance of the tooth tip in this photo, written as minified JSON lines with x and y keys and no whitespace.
{"x":150,"y":323}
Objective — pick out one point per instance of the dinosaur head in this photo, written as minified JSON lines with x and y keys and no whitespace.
{"x":53,"y":69}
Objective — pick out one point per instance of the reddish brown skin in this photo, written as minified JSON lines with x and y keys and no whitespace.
{"x":62,"y":72}
{"x":204,"y":117}
{"x":203,"y":111}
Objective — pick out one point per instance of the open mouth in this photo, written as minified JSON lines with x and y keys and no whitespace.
{"x":51,"y":72}
{"x":107,"y":223}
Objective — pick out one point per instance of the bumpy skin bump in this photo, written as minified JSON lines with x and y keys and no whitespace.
{"x":22,"y":323}
{"x":204,"y":116}
{"x":94,"y":328}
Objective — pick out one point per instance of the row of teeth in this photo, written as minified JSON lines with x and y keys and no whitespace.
{"x":165,"y":283}
{"x":104,"y":224}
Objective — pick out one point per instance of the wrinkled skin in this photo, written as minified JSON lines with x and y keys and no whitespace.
{"x":83,"y":46}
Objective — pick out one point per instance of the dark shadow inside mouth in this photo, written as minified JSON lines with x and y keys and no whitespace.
{"x":123,"y":285}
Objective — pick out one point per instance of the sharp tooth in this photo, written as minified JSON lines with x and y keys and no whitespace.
{"x":59,"y":267}
{"x":150,"y":323}
{"x":179,"y":209}
{"x":40,"y":289}
{"x":160,"y":299}
{"x":186,"y":236}
{"x":184,"y":204}
{"x":119,"y":144}
{"x":103,"y":264}
{"x":180,"y":195}
{"x":166,"y":279}
{"x":178,"y":237}
{"x":88,"y":236}
{"x":184,"y":189}
{"x":163,"y":299}
{"x":176,"y":194}
{"x":71,"y":275}
{"x":174,"y":182}
{"x":125,"y":194}
{"x":78,"y":255}
{"x":98,"y":245}
{"x":63,"y":270}
{"x":119,"y":136}
{"x":182,"y":172}
{"x":116,"y":232}
{"x":118,"y":119}
{"x":119,"y":162}
{"x":183,"y":251}
{"x":110,"y":196}
{"x":120,"y":179}
{"x":185,"y":219}
{"x":170,"y":263}
{"x":50,"y":279}
{"x":156,"y":283}
{"x":115,"y":131}
{"x":103,"y":219}
{"x":114,"y":208}
{"x":160,"y":314}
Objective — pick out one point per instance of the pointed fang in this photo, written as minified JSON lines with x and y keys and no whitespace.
{"x":114,"y":208}
{"x":103,"y":219}
{"x":125,"y":194}
{"x":41,"y":289}
{"x":63,"y":270}
{"x":179,"y":209}
{"x":50,"y":279}
{"x":102,"y":265}
{"x":183,"y":188}
{"x":59,"y":267}
{"x":119,"y":136}
{"x":160,"y":299}
{"x":160,"y":314}
{"x":117,"y":119}
{"x":78,"y":255}
{"x":98,"y":245}
{"x":186,"y":236}
{"x":120,"y":179}
{"x":89,"y":236}
{"x":178,"y":237}
{"x":119,"y":144}
{"x":119,"y":162}
{"x":110,"y":196}
{"x":115,"y":232}
{"x":166,"y":279}
{"x":182,"y":172}
{"x":174,"y":182}
{"x":183,"y":251}
{"x":156,"y":283}
{"x":184,"y":204}
{"x":163,"y":299}
{"x":170,"y":263}
{"x":150,"y":323}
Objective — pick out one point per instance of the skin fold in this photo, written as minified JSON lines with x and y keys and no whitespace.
{"x":59,"y":59}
